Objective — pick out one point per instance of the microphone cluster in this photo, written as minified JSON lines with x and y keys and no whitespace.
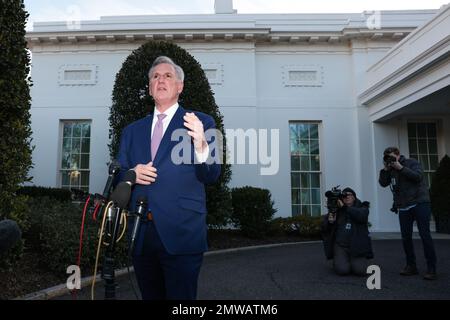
{"x":122,"y":192}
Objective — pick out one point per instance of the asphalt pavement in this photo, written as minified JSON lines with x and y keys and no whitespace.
{"x":301,"y":272}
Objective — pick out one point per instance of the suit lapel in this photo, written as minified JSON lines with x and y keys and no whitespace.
{"x":166,"y":143}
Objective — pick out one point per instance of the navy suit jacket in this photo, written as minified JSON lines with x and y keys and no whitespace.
{"x":177,"y":198}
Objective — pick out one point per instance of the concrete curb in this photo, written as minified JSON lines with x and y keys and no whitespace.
{"x":62,"y":289}
{"x":210,"y":253}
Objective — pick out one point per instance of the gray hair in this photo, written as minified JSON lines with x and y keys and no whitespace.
{"x":163,"y":59}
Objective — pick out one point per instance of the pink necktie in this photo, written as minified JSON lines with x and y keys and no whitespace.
{"x":157,"y":134}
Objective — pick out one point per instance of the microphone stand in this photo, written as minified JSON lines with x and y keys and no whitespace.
{"x":139,"y":217}
{"x":120,"y":198}
{"x":108,"y":275}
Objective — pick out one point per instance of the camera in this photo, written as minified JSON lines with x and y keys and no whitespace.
{"x":388,"y":159}
{"x":333,"y":196}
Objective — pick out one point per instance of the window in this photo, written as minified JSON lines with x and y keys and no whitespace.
{"x":302,"y":76}
{"x":214,"y":73}
{"x":77,"y":75}
{"x":305,"y":168}
{"x":422,"y":140}
{"x":211,"y":74}
{"x":76,"y":145}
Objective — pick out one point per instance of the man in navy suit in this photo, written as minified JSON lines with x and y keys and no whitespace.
{"x":170,"y":244}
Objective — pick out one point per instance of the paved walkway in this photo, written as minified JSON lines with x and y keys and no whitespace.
{"x":300,"y":271}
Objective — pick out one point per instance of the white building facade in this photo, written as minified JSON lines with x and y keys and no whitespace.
{"x":338,"y":87}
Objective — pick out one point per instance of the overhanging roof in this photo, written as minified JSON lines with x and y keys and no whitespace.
{"x":417,"y":66}
{"x":289,"y":28}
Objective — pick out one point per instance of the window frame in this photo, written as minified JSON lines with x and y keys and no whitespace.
{"x":436,"y":123}
{"x":92,"y":68}
{"x":309,"y":172}
{"x":62,"y":122}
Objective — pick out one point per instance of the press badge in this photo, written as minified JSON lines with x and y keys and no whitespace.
{"x":348,"y":226}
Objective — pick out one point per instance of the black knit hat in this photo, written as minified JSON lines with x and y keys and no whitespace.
{"x":349,"y":190}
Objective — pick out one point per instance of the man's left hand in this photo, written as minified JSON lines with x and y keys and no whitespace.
{"x":196,"y":131}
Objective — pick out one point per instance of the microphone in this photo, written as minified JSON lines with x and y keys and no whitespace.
{"x":10,"y":234}
{"x":130,"y":177}
{"x":114,"y":169}
{"x":140,"y":213}
{"x":121,"y":194}
{"x":120,"y":198}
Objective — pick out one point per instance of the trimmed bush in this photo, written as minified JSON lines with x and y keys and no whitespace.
{"x":15,"y":129}
{"x":301,"y":225}
{"x":53,"y":193}
{"x":131,"y":101}
{"x":440,"y":196}
{"x":252,"y":210}
{"x":55,"y":230}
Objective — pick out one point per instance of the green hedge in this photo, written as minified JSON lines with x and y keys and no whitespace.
{"x":301,"y":225}
{"x":252,"y":210}
{"x":54,"y":231}
{"x":21,"y":212}
{"x":15,"y":127}
{"x":53,"y":193}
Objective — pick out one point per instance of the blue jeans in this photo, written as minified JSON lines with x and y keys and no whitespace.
{"x":422,"y":214}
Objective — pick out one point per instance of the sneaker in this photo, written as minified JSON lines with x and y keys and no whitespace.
{"x":409,"y":271}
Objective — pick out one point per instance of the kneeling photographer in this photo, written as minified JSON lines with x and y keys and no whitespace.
{"x":345,"y":232}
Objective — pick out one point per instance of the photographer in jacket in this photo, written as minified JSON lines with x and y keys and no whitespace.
{"x":411,"y":202}
{"x":345,"y":234}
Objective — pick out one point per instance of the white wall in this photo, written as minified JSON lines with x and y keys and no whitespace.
{"x":251,"y":95}
{"x":329,"y":104}
{"x":52,"y":103}
{"x":236,"y":96}
{"x":385,"y":135}
{"x":364,"y":54}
